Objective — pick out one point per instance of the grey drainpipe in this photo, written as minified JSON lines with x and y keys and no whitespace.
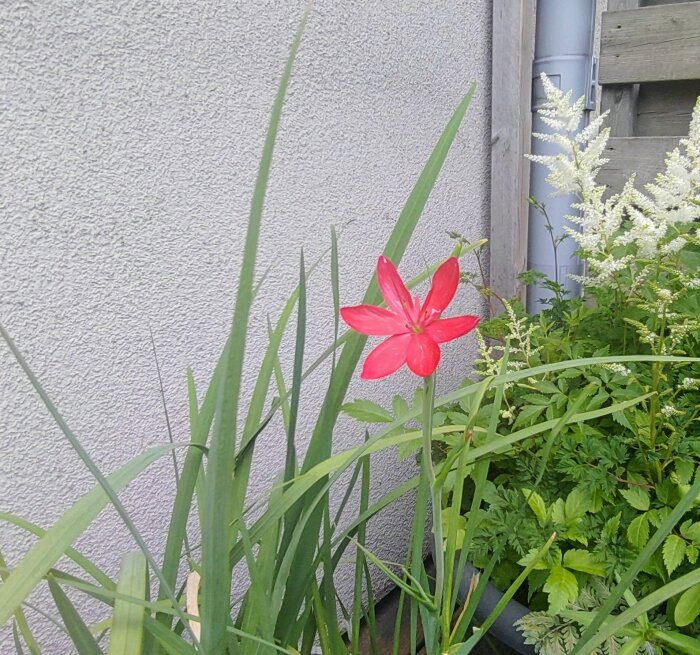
{"x":564,"y":51}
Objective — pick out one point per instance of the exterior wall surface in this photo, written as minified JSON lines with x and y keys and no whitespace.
{"x":130,"y":132}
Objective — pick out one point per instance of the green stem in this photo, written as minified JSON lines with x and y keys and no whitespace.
{"x":655,"y":371}
{"x":435,"y":491}
{"x":656,"y":368}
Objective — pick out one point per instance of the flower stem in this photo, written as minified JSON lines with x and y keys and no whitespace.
{"x":435,"y":491}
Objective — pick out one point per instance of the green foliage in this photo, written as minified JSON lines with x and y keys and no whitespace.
{"x":555,"y":634}
{"x":126,"y":637}
{"x":286,"y":543}
{"x":561,"y":468}
{"x":367,"y":411}
{"x":609,"y":485}
{"x":688,"y":606}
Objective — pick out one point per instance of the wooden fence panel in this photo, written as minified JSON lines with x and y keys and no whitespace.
{"x":642,"y":155}
{"x":650,"y":74}
{"x":651,"y":44}
{"x":665,"y":108}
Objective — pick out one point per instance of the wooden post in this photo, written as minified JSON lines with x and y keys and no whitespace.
{"x":511,"y":121}
{"x":620,"y":99}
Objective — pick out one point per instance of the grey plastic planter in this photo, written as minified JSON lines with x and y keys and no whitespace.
{"x":503,"y":628}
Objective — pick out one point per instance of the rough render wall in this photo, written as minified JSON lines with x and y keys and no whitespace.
{"x":129,"y":137}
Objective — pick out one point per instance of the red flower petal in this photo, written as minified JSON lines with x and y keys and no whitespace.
{"x":423,"y":354}
{"x":392,"y":287}
{"x":442,"y":290}
{"x":447,"y":329}
{"x":388,"y":357}
{"x":374,"y":321}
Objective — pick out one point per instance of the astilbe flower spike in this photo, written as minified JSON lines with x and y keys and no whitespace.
{"x":414,"y":330}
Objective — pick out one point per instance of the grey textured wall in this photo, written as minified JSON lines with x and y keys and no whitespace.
{"x":129,"y":136}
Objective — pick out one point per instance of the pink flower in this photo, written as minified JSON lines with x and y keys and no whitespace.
{"x":415,"y":331}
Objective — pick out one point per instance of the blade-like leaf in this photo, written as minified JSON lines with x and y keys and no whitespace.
{"x":190,"y":479}
{"x":591,"y":636}
{"x":612,"y":625}
{"x":291,"y":459}
{"x":20,"y":624}
{"x":339,"y":463}
{"x":688,"y":607}
{"x":127,"y":634}
{"x":15,"y":636}
{"x":505,"y":599}
{"x":168,"y":641}
{"x":681,"y":642}
{"x":335,"y":286}
{"x":91,"y":466}
{"x":79,"y":633}
{"x":218,"y":505}
{"x":83,"y":562}
{"x":360,"y":561}
{"x":320,"y":445}
{"x":44,"y":554}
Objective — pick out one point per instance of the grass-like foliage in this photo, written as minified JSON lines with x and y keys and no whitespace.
{"x":288,"y":543}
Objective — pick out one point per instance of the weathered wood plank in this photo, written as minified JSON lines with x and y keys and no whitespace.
{"x":653,"y":3}
{"x":511,"y":121}
{"x":643,"y":155}
{"x":619,"y":5}
{"x":650,"y":44}
{"x":665,"y":108}
{"x":620,"y":99}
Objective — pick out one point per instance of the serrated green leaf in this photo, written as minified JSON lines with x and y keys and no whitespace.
{"x":559,"y":512}
{"x":688,"y":607}
{"x":575,"y":534}
{"x":527,"y":414}
{"x":612,"y":526}
{"x":598,"y":630}
{"x":400,"y":406}
{"x":583,"y":561}
{"x":546,"y":387}
{"x":673,"y":552}
{"x":621,"y":418}
{"x":691,"y":532}
{"x":367,"y":412}
{"x":577,"y":504}
{"x":561,"y":588}
{"x":637,"y":497}
{"x":536,"y":503}
{"x":664,"y":490}
{"x":457,"y":418}
{"x":658,"y":516}
{"x":407,"y":448}
{"x":692,"y":552}
{"x":638,"y":531}
{"x":570,"y":373}
{"x":529,"y":557}
{"x":537,"y":399}
{"x":684,"y":470}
